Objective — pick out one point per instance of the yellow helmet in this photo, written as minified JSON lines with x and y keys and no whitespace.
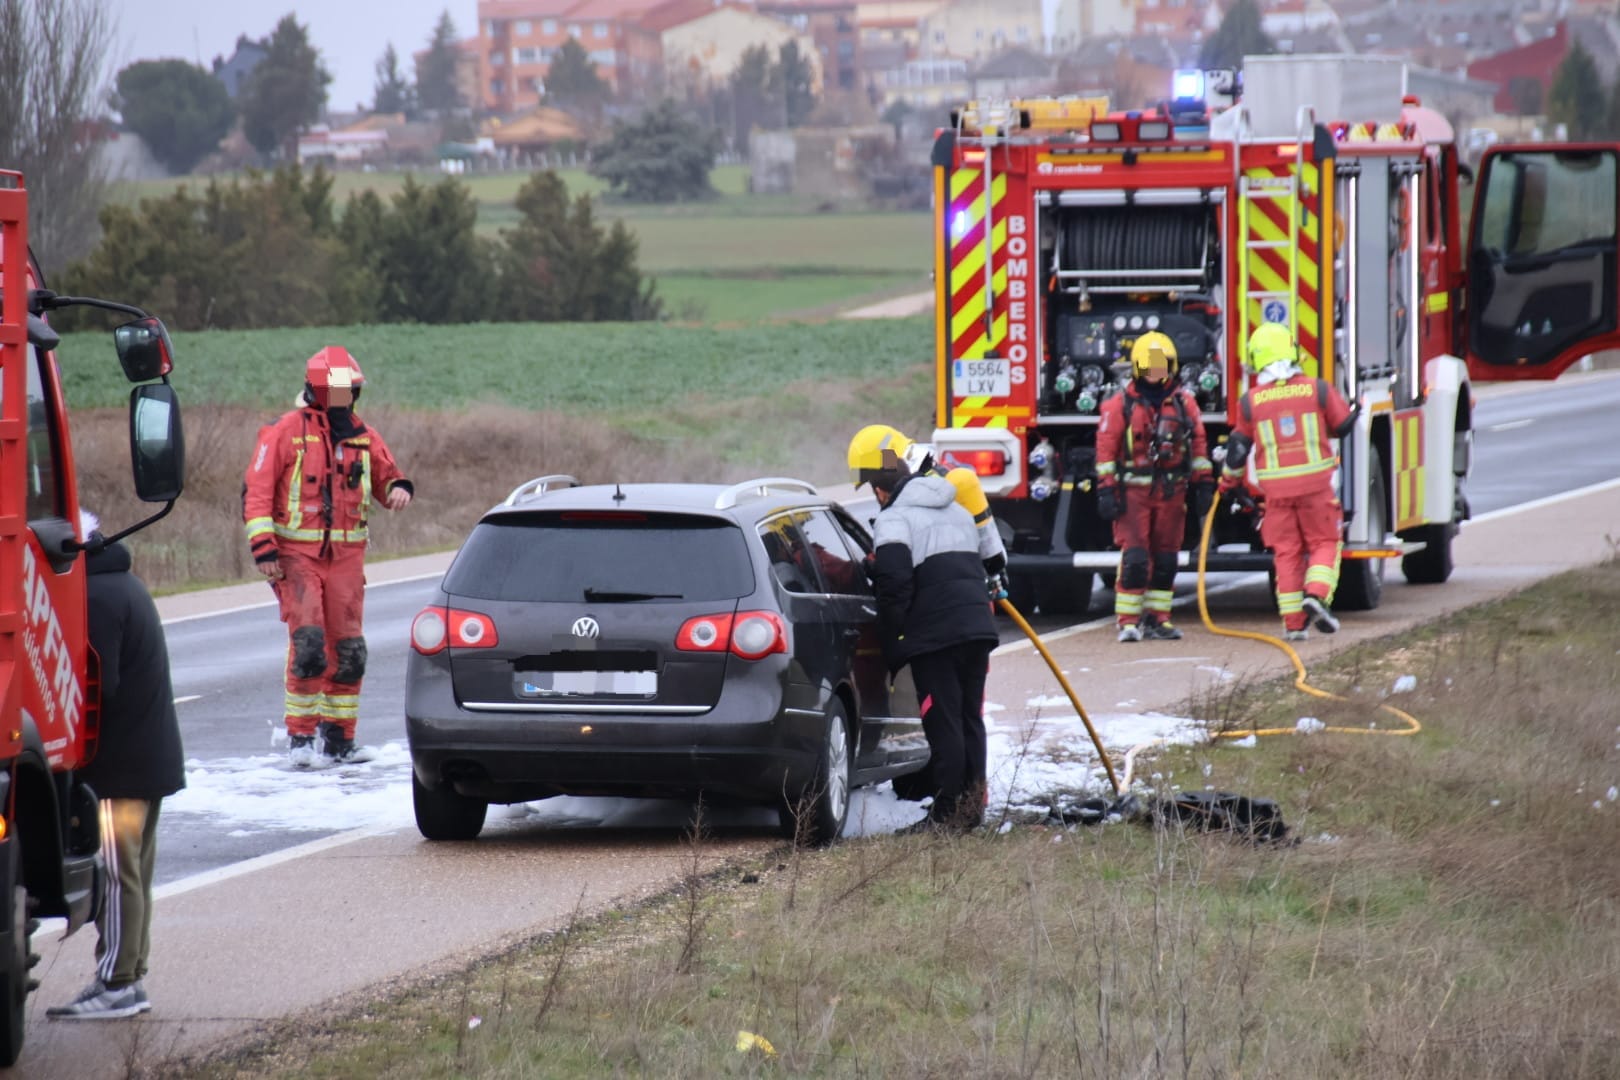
{"x":1269,"y":343}
{"x":875,"y":450}
{"x":1153,"y":357}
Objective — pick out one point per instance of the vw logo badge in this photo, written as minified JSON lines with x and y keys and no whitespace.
{"x":586,"y":627}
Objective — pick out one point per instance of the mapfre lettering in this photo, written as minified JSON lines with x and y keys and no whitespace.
{"x":47,"y":651}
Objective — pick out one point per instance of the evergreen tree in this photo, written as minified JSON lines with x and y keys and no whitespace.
{"x":286,"y":91}
{"x":572,"y":81}
{"x":433,"y":267}
{"x":794,"y":79}
{"x":180,"y":110}
{"x":1239,"y":35}
{"x":660,"y":157}
{"x":1576,"y":98}
{"x":753,"y":102}
{"x":393,"y":92}
{"x":436,"y":88}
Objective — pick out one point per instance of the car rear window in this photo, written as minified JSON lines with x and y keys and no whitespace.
{"x":619,"y":556}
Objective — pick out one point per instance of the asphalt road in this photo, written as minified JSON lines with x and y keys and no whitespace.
{"x":1531,"y":442}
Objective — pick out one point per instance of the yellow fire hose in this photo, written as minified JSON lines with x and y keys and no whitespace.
{"x":1074,"y":699}
{"x":1121,"y":785}
{"x":1412,"y":726}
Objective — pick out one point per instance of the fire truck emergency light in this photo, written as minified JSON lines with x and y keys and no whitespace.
{"x":1188,"y":85}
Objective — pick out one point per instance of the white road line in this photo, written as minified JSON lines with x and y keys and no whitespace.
{"x":188,"y":697}
{"x":1511,"y":424}
{"x":1550,"y":500}
{"x":263,"y":862}
{"x":272,"y":603}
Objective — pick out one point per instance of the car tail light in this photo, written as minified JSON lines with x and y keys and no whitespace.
{"x":992,"y":462}
{"x":436,"y":627}
{"x":751,"y":635}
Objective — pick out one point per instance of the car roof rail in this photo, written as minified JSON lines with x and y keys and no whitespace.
{"x":539,"y":486}
{"x":759,"y":489}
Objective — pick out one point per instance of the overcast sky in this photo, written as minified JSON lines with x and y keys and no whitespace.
{"x":350,"y":34}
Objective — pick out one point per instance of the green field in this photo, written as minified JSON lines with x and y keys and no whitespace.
{"x":574,"y":367}
{"x":736,"y":258}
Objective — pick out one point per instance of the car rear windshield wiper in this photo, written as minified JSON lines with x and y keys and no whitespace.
{"x":608,"y":597}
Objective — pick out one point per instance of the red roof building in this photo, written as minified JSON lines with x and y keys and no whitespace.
{"x":1536,"y":61}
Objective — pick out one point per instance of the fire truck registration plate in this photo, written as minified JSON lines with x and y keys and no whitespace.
{"x":982,"y":378}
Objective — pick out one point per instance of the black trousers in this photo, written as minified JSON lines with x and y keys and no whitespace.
{"x":950,"y":688}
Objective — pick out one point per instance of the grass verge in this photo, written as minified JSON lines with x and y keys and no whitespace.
{"x":1452,"y":910}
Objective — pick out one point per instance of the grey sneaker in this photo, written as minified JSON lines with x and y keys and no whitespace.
{"x":1319,"y":613}
{"x":1296,"y":635}
{"x":301,"y":750}
{"x":1130,"y":632}
{"x":98,"y":1001}
{"x":1160,"y":630}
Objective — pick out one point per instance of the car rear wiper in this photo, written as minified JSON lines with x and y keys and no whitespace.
{"x":609,"y":597}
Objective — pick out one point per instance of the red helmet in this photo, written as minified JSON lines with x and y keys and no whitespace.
{"x":329,"y":368}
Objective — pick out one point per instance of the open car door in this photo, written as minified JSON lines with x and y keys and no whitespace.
{"x":1542,"y":253}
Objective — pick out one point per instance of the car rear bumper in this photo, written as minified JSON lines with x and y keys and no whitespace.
{"x":728,"y":752}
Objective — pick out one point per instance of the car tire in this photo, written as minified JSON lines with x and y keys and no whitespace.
{"x":816,"y":817}
{"x":443,"y":813}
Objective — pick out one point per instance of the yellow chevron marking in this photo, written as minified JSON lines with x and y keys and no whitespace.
{"x":961,"y":179}
{"x":969,"y":314}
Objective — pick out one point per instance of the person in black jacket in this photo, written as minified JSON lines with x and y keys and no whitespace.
{"x":138,"y":761}
{"x":935,"y":615}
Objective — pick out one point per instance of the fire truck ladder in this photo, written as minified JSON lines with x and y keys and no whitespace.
{"x":1252,"y":191}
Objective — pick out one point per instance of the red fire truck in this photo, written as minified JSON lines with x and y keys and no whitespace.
{"x":49,"y":686}
{"x":1314,"y":193}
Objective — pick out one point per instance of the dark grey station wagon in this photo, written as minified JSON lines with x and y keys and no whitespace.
{"x":660,"y":640}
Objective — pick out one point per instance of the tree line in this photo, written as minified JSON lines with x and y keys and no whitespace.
{"x":272,"y":250}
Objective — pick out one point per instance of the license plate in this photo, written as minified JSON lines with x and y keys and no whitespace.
{"x":982,"y":378}
{"x":588,"y":683}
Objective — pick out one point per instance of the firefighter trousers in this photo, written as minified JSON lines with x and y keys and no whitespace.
{"x":1304,"y":535}
{"x":1149,"y":535}
{"x":322,"y":598}
{"x":950,"y":686}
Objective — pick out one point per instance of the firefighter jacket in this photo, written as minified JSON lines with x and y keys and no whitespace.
{"x":926,"y":572}
{"x":1138,"y":444}
{"x":307,"y":490}
{"x":1289,"y":423}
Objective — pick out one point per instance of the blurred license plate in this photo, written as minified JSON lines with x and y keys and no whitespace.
{"x":593,"y":683}
{"x":982,"y":378}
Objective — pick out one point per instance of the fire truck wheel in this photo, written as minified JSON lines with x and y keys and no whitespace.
{"x":1432,"y":565}
{"x":1067,"y":594}
{"x":13,"y":1017}
{"x":1021,"y":591}
{"x":1361,"y":581}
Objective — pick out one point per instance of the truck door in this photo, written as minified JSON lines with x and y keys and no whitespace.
{"x":1542,"y":253}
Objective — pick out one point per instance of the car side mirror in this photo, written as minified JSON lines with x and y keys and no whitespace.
{"x":144,"y":349}
{"x":156,"y":445}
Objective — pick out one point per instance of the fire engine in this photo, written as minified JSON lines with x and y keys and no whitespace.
{"x":1311,"y":191}
{"x":49,"y":680}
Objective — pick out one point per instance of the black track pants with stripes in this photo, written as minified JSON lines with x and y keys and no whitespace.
{"x":129,"y":848}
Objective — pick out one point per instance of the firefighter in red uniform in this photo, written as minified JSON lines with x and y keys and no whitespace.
{"x":1285,"y":419}
{"x":308,"y":492}
{"x":1150,"y":447}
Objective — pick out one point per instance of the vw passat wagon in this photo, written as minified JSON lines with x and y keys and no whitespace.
{"x":659,"y":640}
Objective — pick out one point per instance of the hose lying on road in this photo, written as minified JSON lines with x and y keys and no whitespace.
{"x":1412,"y":726}
{"x":1074,"y":699}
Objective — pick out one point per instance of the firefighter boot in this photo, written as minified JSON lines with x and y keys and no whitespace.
{"x":1317,"y":609}
{"x":1160,"y":630}
{"x":1130,"y":632}
{"x":301,"y":750}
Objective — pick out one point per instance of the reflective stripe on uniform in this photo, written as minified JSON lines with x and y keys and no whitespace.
{"x":303,"y":705}
{"x":260,"y":526}
{"x":1290,"y":603}
{"x":338,"y":536}
{"x":1127,"y":603}
{"x":1159,"y":601}
{"x":342,"y":706}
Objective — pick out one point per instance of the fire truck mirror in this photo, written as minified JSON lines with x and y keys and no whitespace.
{"x":144,"y":349}
{"x":156,"y":445}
